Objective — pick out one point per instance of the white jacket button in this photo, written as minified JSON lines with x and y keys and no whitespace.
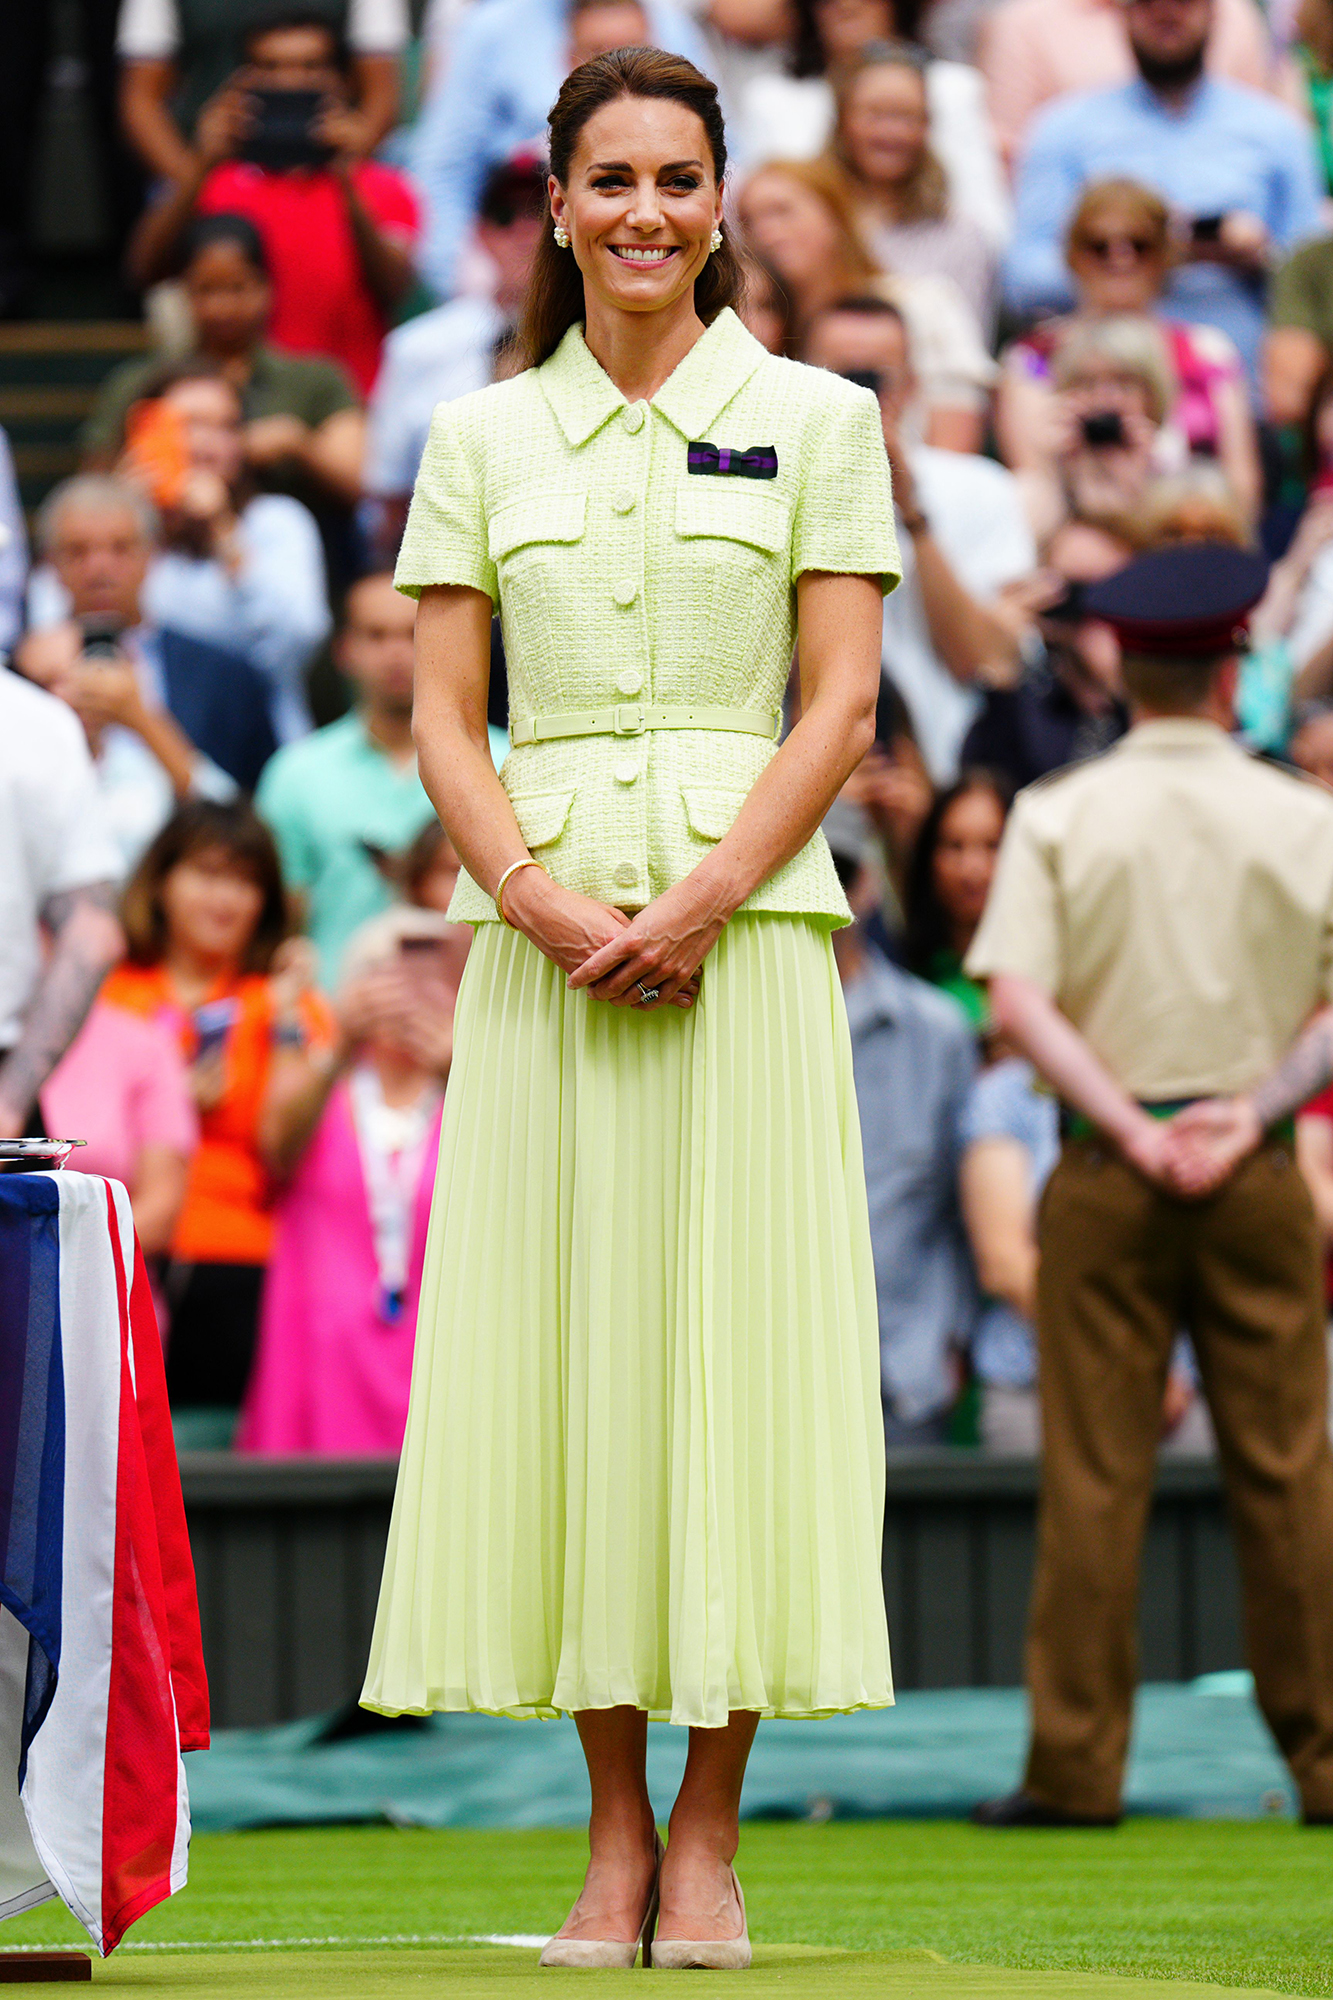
{"x":626,"y":874}
{"x":625,"y":593}
{"x":626,"y":773}
{"x":623,"y":501}
{"x":630,"y":681}
{"x":633,"y":416}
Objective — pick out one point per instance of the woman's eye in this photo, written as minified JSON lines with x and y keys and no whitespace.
{"x":609,"y":183}
{"x":683,"y":184}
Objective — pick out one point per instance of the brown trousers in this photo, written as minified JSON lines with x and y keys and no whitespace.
{"x":1123,"y":1268}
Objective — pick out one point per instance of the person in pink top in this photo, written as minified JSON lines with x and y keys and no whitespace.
{"x":278,"y":144}
{"x":1030,"y":51}
{"x":122,"y":1086}
{"x":337,"y":1321}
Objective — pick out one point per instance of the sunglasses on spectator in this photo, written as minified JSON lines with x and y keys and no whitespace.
{"x":1103,"y":248}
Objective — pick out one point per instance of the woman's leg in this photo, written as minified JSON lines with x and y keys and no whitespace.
{"x":620,"y":1831}
{"x":698,"y":1900}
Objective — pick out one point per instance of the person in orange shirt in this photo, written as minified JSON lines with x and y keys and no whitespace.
{"x":206,"y":919}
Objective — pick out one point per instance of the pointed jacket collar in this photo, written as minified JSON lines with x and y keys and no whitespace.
{"x":698,"y":389}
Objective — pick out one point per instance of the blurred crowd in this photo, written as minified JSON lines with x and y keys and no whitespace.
{"x":1081,"y":250}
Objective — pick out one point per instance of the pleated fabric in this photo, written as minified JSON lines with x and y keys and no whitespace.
{"x":644,"y":1458}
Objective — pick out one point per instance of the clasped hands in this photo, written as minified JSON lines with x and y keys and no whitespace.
{"x":1194,"y":1153}
{"x":611,"y":952}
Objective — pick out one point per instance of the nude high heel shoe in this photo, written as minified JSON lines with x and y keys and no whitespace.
{"x":706,"y":1954}
{"x":610,"y":1954}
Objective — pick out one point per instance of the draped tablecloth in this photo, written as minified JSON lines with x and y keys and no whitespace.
{"x":102,"y":1681}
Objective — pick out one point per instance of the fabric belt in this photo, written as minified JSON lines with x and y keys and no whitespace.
{"x":632,"y":718}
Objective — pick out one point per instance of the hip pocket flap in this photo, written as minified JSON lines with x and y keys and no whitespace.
{"x":542,"y":517}
{"x":541,"y":816}
{"x":734,"y":511}
{"x":711,"y":812}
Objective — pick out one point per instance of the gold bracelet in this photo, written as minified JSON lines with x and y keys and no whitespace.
{"x":528,"y":861}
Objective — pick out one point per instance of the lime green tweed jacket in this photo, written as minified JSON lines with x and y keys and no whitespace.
{"x":622,"y":577}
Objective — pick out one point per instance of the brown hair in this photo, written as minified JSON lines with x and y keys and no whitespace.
{"x":197,"y":826}
{"x":924,"y":195}
{"x":1144,"y":205}
{"x":1171,"y":687}
{"x":857,"y":269}
{"x":555,"y":300}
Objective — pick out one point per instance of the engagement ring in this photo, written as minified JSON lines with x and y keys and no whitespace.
{"x":648,"y":992}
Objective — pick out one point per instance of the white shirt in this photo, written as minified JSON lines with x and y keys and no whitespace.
{"x":977,"y":517}
{"x":434,"y":358}
{"x":52,"y":836}
{"x":791,"y":118}
{"x":150,"y":31}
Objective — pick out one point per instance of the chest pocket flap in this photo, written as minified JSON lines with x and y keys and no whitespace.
{"x":542,"y":517}
{"x":735,"y":510}
{"x":541,"y":816}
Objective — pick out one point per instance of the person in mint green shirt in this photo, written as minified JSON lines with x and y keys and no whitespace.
{"x":334,"y":795}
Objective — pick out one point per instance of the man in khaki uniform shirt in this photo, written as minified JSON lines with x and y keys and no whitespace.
{"x":1159,"y":941}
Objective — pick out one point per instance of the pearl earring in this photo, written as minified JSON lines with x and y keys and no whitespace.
{"x":716,"y":243}
{"x":561,"y":236}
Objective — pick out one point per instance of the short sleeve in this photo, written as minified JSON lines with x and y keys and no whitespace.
{"x":445,"y":540}
{"x":844,"y":512}
{"x":1299,"y":295}
{"x":1020,"y":932}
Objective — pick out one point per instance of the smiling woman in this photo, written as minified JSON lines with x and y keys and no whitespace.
{"x":643,"y":1469}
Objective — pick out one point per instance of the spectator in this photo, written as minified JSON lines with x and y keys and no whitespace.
{"x":57,"y":885}
{"x":508,"y":61}
{"x":206,"y":916}
{"x":304,"y":430}
{"x":798,"y":217}
{"x":1311,"y":743}
{"x":1298,"y":348}
{"x":338,"y":1317}
{"x":948,"y":881}
{"x":122,"y":1086}
{"x":352,"y":788}
{"x":766,"y":309}
{"x":963,"y":537}
{"x":174,"y":55}
{"x":99,"y":536}
{"x":914,"y":1060}
{"x":1238,"y":168}
{"x":1011,"y":1140}
{"x":351,"y":220}
{"x":793,"y":116}
{"x":1119,"y":253}
{"x":891,"y":788}
{"x":13,"y":551}
{"x":1032,"y":51}
{"x":882,"y":142}
{"x":1068,"y":704}
{"x":238,"y":568}
{"x":1313,"y":52}
{"x":1098,"y":441}
{"x":456,"y":348}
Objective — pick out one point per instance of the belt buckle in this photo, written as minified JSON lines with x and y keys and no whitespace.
{"x":627,"y":719}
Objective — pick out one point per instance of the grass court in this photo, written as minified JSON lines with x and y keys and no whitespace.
{"x":912,"y":1910}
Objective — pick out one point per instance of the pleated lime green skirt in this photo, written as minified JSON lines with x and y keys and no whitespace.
{"x":644,"y":1459}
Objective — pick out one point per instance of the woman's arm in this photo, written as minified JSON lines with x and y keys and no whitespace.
{"x":839,"y":625}
{"x":156,"y":1195}
{"x":1314,"y":1156}
{"x":995,"y":1186}
{"x":453,"y":667}
{"x":1238,"y":445}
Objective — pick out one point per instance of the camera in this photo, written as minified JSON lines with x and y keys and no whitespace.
{"x":281,"y":133}
{"x":101,"y":637}
{"x":1104,"y":427}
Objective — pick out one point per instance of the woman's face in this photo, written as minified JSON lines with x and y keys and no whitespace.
{"x":845,"y":26}
{"x":229,"y":299}
{"x":885,"y":124}
{"x":436,"y":886}
{"x":211,"y":414}
{"x":790,"y":227}
{"x":641,"y":205}
{"x":1103,"y":384}
{"x":1117,"y":261}
{"x":211,"y":904}
{"x":964,"y":864}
